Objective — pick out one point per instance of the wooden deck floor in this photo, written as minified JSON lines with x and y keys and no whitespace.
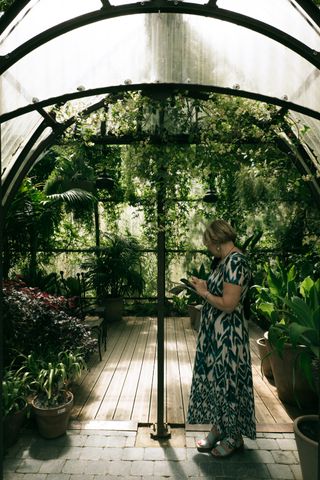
{"x":123,"y":386}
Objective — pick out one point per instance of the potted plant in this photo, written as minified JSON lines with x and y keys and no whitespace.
{"x":295,"y":343}
{"x":280,"y":283}
{"x":51,"y":380}
{"x":35,"y":321}
{"x":194,"y":301}
{"x":114,"y":271}
{"x":15,"y":390}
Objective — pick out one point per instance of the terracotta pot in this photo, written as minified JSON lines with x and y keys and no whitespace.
{"x":53,"y":422}
{"x":12,"y":424}
{"x":195,"y":316}
{"x":265,"y":360}
{"x":114,"y":308}
{"x":306,"y":432}
{"x":292,"y":385}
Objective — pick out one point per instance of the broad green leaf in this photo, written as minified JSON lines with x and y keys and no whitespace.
{"x":301,"y":311}
{"x":296,"y":333}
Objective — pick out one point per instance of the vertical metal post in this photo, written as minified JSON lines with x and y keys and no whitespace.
{"x":160,"y":429}
{"x":97,"y":224}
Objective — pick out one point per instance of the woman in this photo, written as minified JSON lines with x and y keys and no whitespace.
{"x":222,"y":390}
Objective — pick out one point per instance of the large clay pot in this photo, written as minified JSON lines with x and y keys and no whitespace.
{"x":12,"y":424}
{"x":292,"y":385}
{"x":114,"y":308}
{"x":264,"y":357}
{"x":195,"y":316}
{"x":306,"y":432}
{"x":53,"y":422}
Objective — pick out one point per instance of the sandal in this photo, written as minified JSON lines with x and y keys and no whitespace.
{"x":227,"y":447}
{"x":206,"y":444}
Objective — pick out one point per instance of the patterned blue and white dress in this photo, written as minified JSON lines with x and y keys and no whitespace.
{"x":222,"y":389}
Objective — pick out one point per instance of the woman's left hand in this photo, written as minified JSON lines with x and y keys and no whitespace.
{"x":200,"y":285}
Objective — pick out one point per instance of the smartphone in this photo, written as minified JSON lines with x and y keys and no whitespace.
{"x":187,"y":282}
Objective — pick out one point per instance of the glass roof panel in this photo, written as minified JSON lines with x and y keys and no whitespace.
{"x":162,"y":48}
{"x":286,"y":15}
{"x":14,"y":136}
{"x":39,"y":15}
{"x":42,"y":137}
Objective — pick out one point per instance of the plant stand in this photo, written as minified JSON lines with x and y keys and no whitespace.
{"x":306,"y":431}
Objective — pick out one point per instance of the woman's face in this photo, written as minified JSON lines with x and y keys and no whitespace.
{"x":213,"y":245}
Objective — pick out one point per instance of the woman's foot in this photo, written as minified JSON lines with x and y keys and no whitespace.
{"x":206,"y":444}
{"x":227,"y":446}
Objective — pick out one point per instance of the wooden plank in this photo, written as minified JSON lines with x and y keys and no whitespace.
{"x":270,"y":400}
{"x":185,"y":366}
{"x":262,"y":413}
{"x":101,"y":388}
{"x":191,"y":340}
{"x":128,"y":394}
{"x":87,"y":387}
{"x":110,"y":425}
{"x":109,"y":402}
{"x":154,"y":393}
{"x":174,"y":395}
{"x":123,"y":385}
{"x":142,"y":403}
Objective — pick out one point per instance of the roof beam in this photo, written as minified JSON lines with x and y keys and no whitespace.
{"x":170,"y":87}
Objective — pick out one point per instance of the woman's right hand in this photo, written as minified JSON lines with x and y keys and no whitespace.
{"x":200,"y":286}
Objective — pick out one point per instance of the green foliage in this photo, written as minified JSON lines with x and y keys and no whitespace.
{"x":280,"y":284}
{"x":292,"y":309}
{"x":301,"y":322}
{"x":38,"y":322}
{"x":229,"y":145}
{"x":15,"y":389}
{"x":5,"y":4}
{"x":51,"y":375}
{"x":29,"y":225}
{"x":115,"y":269}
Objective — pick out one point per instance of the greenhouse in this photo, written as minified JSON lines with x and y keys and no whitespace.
{"x":125,"y":129}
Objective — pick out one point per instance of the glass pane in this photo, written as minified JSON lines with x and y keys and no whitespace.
{"x":39,"y":15}
{"x":286,"y":15}
{"x":162,"y":48}
{"x":14,"y":136}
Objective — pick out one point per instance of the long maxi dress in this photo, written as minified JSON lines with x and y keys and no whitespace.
{"x":222,"y":389}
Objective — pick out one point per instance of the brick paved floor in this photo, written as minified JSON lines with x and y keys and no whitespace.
{"x":109,"y":455}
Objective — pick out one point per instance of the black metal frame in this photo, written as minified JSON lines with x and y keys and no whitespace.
{"x":167,"y":87}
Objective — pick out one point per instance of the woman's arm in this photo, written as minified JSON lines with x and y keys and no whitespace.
{"x":230,"y":296}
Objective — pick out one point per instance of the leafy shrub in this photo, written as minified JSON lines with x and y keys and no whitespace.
{"x":37,"y":322}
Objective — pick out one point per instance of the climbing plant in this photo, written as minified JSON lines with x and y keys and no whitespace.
{"x":174,"y":147}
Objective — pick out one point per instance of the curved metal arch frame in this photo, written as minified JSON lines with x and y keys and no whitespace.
{"x":170,"y":86}
{"x":161,"y":6}
{"x":25,"y":163}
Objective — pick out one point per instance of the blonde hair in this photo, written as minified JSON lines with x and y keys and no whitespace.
{"x":219,"y":231}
